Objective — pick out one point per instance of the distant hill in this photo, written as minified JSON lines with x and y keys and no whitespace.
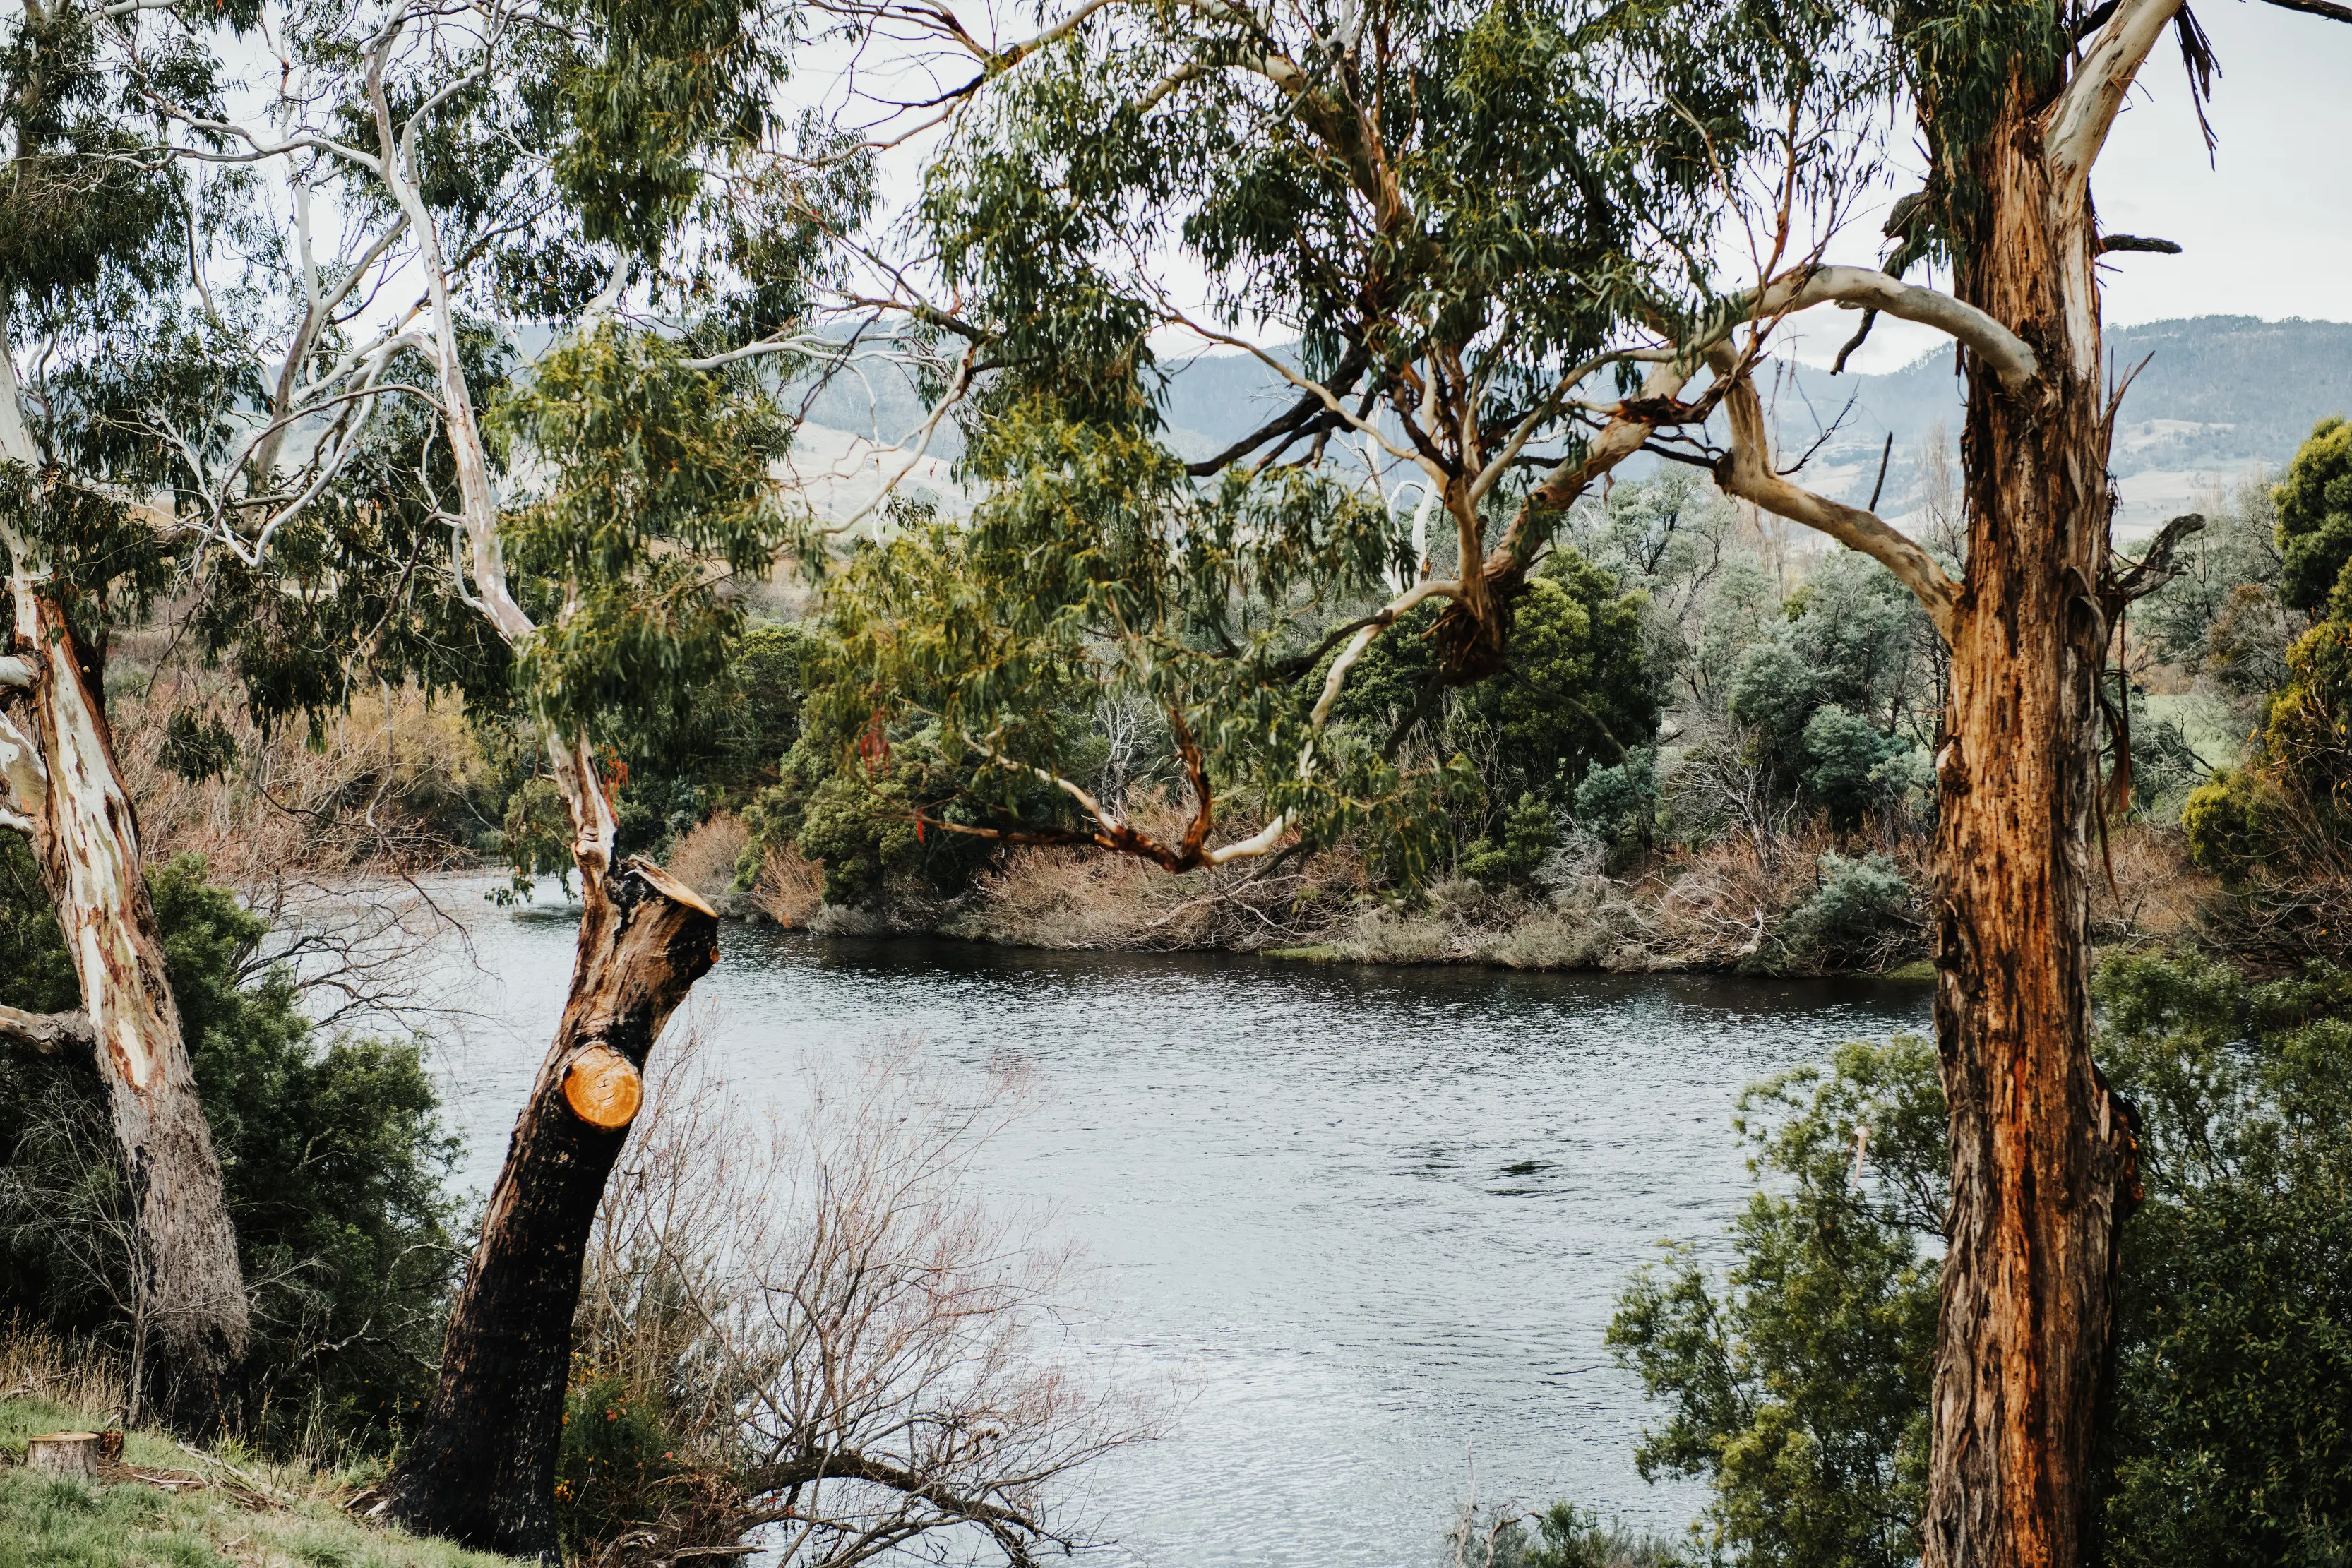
{"x":2218,"y":396}
{"x":2215,"y":398}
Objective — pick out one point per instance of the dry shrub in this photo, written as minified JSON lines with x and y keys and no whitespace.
{"x":2145,"y":890}
{"x":852,"y":1349}
{"x":367,"y":794}
{"x":1091,"y":900}
{"x":75,"y":1374}
{"x":705,"y":856}
{"x":789,"y":888}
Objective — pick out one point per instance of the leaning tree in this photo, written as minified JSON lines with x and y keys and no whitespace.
{"x":613,"y":174}
{"x":1402,"y":187}
{"x":95,"y":239}
{"x":1467,"y":217}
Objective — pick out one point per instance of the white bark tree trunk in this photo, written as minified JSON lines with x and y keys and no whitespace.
{"x":67,"y":792}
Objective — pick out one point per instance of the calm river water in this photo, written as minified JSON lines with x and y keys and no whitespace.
{"x":1368,"y":1222}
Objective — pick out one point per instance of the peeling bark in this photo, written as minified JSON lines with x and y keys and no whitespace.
{"x":2042,"y":1153}
{"x":482,"y":1468}
{"x":57,"y":754}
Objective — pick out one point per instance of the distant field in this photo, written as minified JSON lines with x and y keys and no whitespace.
{"x":2206,"y":721}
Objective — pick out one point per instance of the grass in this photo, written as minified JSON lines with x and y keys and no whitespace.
{"x":239,"y":1510}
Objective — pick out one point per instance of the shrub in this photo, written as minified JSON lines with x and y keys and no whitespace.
{"x":1562,"y":1536}
{"x":2314,"y":517}
{"x":332,"y":1154}
{"x":1619,"y":804}
{"x":615,"y":1455}
{"x":1860,"y":916}
{"x":1845,"y":764}
{"x":1510,"y":859}
{"x":1797,"y":1384}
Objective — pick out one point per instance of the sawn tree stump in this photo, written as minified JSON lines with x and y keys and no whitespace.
{"x":64,"y":1453}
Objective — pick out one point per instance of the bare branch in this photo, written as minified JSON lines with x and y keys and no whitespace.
{"x":2327,"y":8}
{"x":1746,"y":471}
{"x":1861,"y":287}
{"x":2154,"y":568}
{"x":2079,"y":121}
{"x":2137,"y":242}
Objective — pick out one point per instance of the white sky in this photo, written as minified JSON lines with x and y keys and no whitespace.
{"x":2265,"y":228}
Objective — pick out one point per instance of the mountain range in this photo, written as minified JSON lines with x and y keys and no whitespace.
{"x":2211,"y":401}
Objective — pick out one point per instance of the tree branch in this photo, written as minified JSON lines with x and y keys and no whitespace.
{"x":2137,"y":242}
{"x":2327,"y":8}
{"x":2079,"y":121}
{"x":1746,"y":471}
{"x":2153,"y":570}
{"x":48,"y":1034}
{"x":1862,"y":287}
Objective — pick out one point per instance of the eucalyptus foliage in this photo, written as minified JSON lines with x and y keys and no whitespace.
{"x":1796,"y":1383}
{"x":1452,"y":211}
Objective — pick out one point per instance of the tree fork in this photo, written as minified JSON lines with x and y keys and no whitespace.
{"x":482,"y":1469}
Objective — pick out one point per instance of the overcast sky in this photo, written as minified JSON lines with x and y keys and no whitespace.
{"x":2265,"y":227}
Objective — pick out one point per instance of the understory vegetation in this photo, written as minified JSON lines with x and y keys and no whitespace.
{"x":1795,"y":1382}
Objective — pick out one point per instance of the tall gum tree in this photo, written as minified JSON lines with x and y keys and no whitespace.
{"x":1454,"y":209}
{"x":2015,"y":102}
{"x":608,"y":167}
{"x":88,"y":217}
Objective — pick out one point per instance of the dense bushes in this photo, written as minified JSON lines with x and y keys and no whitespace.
{"x":331,"y":1154}
{"x":1797,"y":1384}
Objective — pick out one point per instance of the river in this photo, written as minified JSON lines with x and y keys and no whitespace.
{"x":1369,"y":1223}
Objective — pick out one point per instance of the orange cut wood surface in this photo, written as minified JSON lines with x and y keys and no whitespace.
{"x":602,"y":1089}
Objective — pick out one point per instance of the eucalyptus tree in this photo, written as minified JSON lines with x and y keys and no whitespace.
{"x":2014,"y":103}
{"x":95,"y":236}
{"x":1469,"y":219}
{"x":1295,"y":161}
{"x":612,"y":170}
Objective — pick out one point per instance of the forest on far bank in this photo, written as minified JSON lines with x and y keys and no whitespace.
{"x":1718,"y":755}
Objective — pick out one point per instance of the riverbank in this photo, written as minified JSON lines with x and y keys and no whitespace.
{"x":163,"y":1501}
{"x":1803,"y":903}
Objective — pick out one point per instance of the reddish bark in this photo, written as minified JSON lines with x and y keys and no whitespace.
{"x":2042,"y":1153}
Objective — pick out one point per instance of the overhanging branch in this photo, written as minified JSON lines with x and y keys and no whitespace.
{"x":1864,"y":288}
{"x":1746,"y":471}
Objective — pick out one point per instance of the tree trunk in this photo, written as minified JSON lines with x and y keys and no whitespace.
{"x":2042,"y":1154}
{"x":482,"y":1469}
{"x":85,"y":838}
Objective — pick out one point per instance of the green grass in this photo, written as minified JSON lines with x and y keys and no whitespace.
{"x":49,"y":1522}
{"x":1321,"y":953}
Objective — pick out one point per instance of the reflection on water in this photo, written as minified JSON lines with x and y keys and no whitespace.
{"x":1371,"y":1221}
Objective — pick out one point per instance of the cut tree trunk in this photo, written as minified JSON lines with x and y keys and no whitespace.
{"x":85,"y":835}
{"x":482,"y":1469}
{"x":2042,"y":1153}
{"x":63,"y":1454}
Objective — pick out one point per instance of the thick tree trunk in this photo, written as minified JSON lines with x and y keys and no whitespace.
{"x":2042,"y":1154}
{"x":61,"y":772}
{"x":482,"y":1469}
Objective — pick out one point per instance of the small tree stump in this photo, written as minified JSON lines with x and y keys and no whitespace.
{"x":64,"y":1453}
{"x":604,"y":1089}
